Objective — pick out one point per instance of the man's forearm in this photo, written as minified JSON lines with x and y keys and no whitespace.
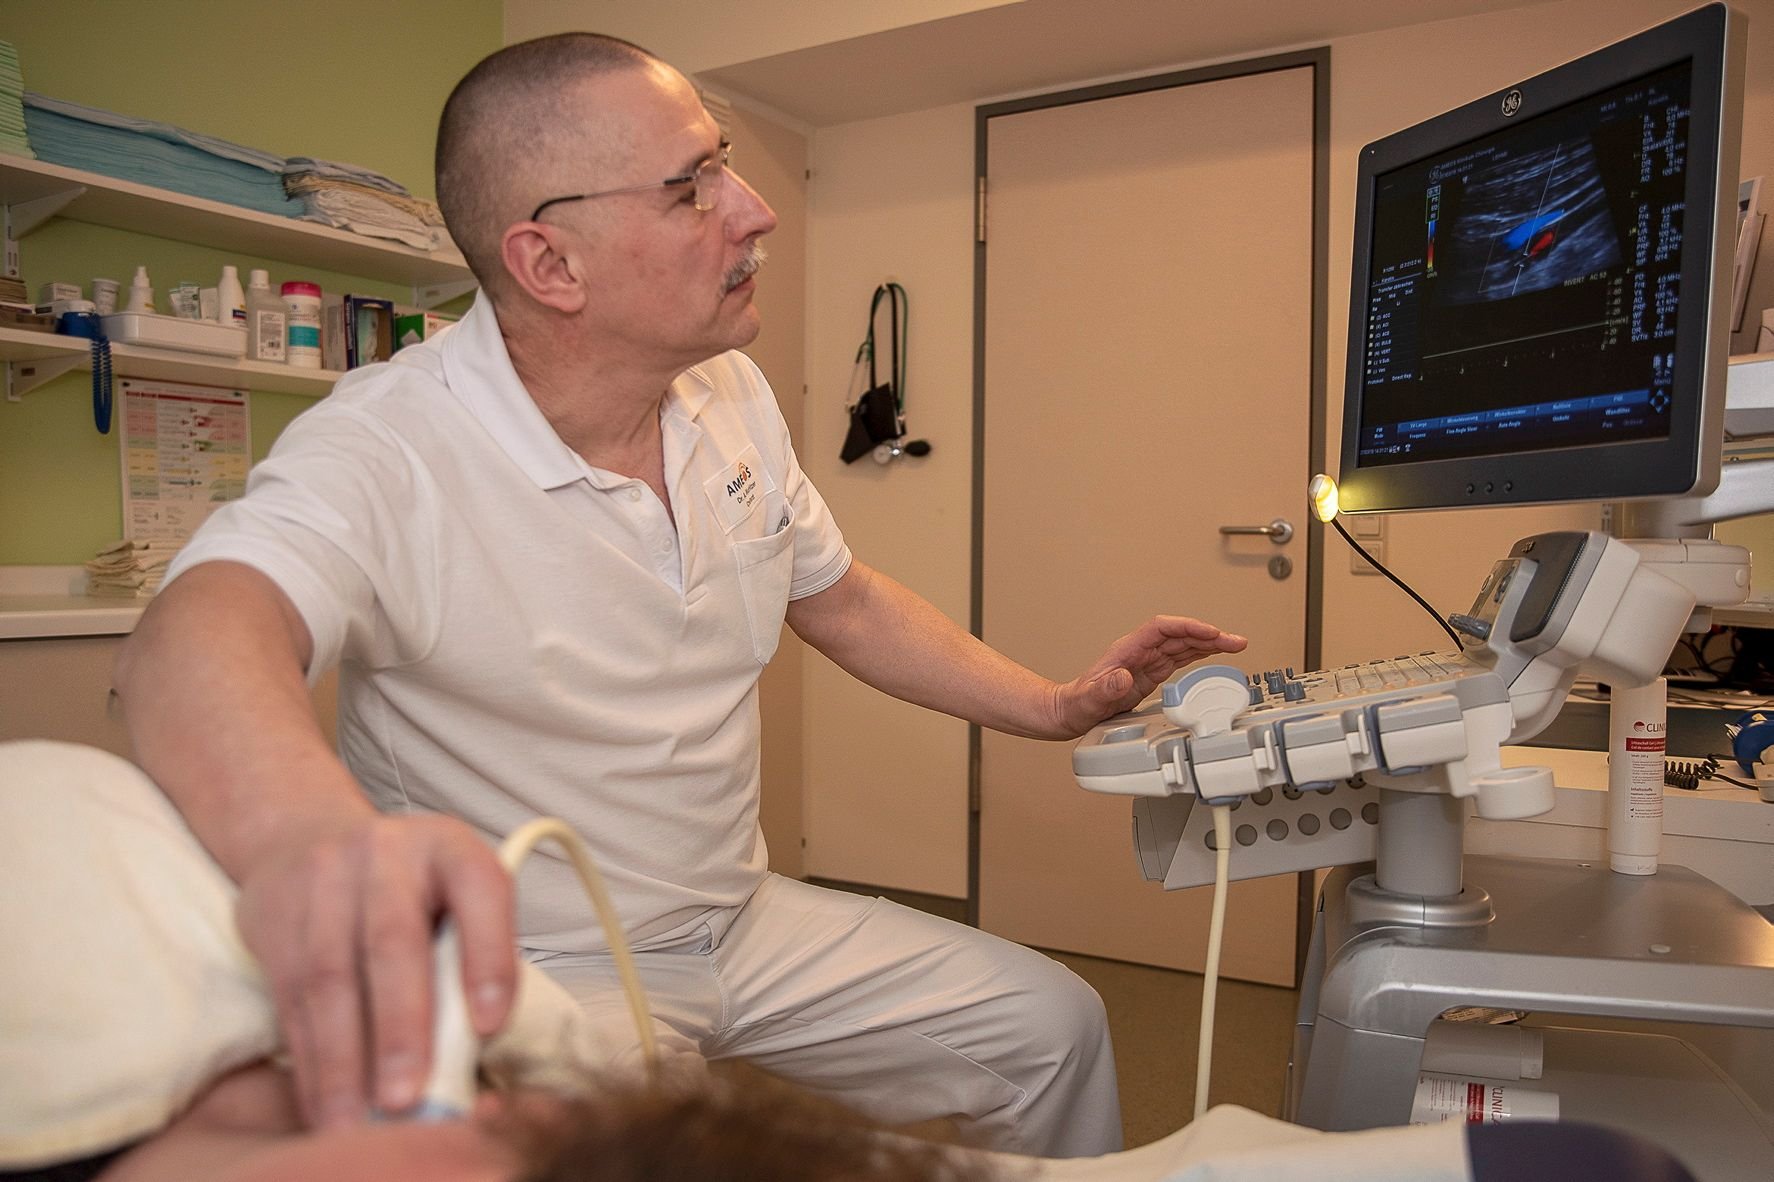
{"x":887,"y":635}
{"x":218,"y":711}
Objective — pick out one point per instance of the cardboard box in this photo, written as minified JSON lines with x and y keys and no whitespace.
{"x":355,"y":330}
{"x":412,"y":327}
{"x":1765,"y":338}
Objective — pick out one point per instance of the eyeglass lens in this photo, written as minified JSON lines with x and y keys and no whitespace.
{"x":710,"y":177}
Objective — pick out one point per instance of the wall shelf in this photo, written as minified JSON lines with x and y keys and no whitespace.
{"x":33,"y":358}
{"x":33,"y":192}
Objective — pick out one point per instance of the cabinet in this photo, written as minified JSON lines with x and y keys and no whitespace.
{"x":32,"y":192}
{"x":61,"y":689}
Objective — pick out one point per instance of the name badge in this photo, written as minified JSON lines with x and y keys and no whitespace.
{"x":737,"y":491}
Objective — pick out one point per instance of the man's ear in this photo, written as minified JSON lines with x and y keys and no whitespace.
{"x":542,"y":260}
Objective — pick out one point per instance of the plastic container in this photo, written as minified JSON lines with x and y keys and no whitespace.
{"x":141,"y":293}
{"x":1481,"y":1048}
{"x":301,"y":302}
{"x":267,"y":322}
{"x":231,"y":300}
{"x":1638,"y":724}
{"x":175,"y":332}
{"x":1445,"y":1099}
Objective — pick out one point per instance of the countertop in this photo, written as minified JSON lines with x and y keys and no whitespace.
{"x":38,"y":602}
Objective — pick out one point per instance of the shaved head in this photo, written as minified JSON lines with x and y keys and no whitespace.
{"x":511,"y":127}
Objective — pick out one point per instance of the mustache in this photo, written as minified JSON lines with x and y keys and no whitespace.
{"x":744,"y":269}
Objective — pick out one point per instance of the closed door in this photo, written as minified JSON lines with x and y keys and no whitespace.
{"x":1147,"y":357}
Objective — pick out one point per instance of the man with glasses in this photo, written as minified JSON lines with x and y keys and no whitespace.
{"x":550,"y":552}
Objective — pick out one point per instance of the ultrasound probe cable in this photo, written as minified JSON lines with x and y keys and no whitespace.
{"x":450,"y":1088}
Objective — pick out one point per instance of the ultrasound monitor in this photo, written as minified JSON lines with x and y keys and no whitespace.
{"x":1541,"y":284}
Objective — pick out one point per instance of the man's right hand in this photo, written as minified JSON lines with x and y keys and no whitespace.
{"x":343,"y":924}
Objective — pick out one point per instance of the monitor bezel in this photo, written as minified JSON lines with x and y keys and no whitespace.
{"x":1686,"y":462}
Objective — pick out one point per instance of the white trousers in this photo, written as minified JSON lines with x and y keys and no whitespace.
{"x":900,"y":1015}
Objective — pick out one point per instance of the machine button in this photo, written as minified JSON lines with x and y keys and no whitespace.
{"x":1264,"y":795}
{"x":1370,"y":812}
{"x":1246,"y":835}
{"x":1340,"y":818}
{"x":1308,"y":824}
{"x":1294,"y":691}
{"x":1256,"y":695}
{"x":1277,"y":830}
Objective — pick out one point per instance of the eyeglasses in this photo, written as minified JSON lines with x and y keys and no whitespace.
{"x":706,"y":180}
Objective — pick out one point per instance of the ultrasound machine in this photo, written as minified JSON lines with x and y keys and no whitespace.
{"x":1541,"y":290}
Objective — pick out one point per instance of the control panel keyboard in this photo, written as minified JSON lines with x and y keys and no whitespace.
{"x":1290,"y":752}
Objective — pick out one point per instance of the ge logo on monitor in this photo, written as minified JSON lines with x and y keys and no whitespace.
{"x":1511,"y":102}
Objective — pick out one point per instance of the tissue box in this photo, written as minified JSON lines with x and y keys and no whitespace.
{"x":414,"y":327}
{"x":355,"y":330}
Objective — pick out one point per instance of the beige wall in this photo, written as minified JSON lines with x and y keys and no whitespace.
{"x":892,"y":197}
{"x":695,"y":35}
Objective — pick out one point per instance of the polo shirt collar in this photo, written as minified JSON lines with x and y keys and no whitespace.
{"x":480,"y":375}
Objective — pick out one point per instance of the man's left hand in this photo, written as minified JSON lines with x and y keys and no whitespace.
{"x":1133,"y":667}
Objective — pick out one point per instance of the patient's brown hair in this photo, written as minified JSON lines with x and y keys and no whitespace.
{"x":740,"y":1127}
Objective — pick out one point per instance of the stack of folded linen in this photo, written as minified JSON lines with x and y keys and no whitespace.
{"x":157,"y":154}
{"x":12,"y":105}
{"x":362,"y":201}
{"x":129,"y":568}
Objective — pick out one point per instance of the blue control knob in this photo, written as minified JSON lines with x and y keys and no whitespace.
{"x":1294,"y":691}
{"x":1256,"y":695}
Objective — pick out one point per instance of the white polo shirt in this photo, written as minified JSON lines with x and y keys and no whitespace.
{"x":519,"y":634}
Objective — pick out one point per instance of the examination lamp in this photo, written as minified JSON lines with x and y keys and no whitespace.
{"x":1323,"y":491}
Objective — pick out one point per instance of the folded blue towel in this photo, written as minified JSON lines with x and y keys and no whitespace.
{"x":157,"y":154}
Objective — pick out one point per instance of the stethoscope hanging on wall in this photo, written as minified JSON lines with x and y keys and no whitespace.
{"x":877,"y":414}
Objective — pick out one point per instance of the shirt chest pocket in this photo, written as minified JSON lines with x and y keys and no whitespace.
{"x":766,"y":565}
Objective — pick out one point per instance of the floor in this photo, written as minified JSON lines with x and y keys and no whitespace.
{"x":1154,"y":1017}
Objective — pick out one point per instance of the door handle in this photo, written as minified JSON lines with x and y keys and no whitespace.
{"x":1278,"y":531}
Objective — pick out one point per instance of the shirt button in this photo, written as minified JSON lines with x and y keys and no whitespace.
{"x":634,"y":494}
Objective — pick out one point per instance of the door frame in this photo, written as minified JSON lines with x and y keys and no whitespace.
{"x":1318,"y":61}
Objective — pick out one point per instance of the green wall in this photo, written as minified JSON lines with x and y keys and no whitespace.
{"x":358,"y":81}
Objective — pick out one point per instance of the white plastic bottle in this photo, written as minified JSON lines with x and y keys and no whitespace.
{"x":230,"y":300}
{"x":141,"y":293}
{"x":267,"y":323}
{"x":1638,"y":724}
{"x":302,"y":302}
{"x":1449,"y":1099}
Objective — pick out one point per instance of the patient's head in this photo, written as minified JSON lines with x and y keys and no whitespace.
{"x":739,"y":1125}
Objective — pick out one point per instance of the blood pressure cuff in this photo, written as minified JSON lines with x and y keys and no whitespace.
{"x":874,"y":420}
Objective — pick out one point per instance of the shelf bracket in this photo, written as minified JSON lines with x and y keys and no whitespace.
{"x":24,"y":376}
{"x":437,"y":294}
{"x":24,"y":216}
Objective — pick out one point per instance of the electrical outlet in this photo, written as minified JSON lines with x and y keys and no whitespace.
{"x":1370,"y":530}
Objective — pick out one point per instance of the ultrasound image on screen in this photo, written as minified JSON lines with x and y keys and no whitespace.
{"x":1523,"y":289}
{"x":1532,"y":222}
